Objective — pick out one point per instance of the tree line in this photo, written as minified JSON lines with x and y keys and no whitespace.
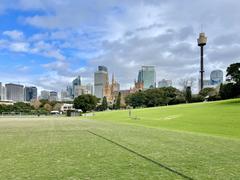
{"x":35,"y":107}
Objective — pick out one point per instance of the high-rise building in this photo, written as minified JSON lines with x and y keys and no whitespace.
{"x":45,"y":95}
{"x":216,"y":77}
{"x":80,"y":90}
{"x":83,"y":89}
{"x":64,"y":95}
{"x":89,"y":87}
{"x":15,"y":92}
{"x":147,"y":76}
{"x":76,"y":82}
{"x":4,"y":93}
{"x":100,"y":81}
{"x":53,"y":96}
{"x":30,"y":93}
{"x":164,"y":83}
{"x":70,"y":91}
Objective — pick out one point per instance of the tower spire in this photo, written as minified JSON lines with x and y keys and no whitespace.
{"x":202,"y":41}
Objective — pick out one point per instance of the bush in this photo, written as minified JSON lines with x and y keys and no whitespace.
{"x":197,"y":98}
{"x":227,"y":91}
{"x":208,"y":92}
{"x":177,"y":100}
{"x":69,"y":113}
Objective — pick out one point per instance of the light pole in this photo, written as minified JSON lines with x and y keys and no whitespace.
{"x":202,"y":41}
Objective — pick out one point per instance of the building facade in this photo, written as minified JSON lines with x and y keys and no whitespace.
{"x":100,"y":81}
{"x":110,"y":90}
{"x":147,"y":76}
{"x":164,"y":83}
{"x":15,"y":92}
{"x":3,"y":93}
{"x":216,"y":77}
{"x":30,"y":93}
{"x":80,"y":90}
{"x":69,"y":91}
{"x":89,"y":88}
{"x":53,"y":96}
{"x":75,"y":83}
{"x":45,"y":95}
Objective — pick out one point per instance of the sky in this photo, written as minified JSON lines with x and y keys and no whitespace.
{"x":46,"y":43}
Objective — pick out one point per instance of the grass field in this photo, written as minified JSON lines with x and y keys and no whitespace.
{"x":193,"y":141}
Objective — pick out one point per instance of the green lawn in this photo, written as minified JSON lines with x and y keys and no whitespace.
{"x":195,"y":141}
{"x":212,"y":118}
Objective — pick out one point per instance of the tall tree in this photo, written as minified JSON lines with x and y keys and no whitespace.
{"x":104,"y":103}
{"x":233,"y":72}
{"x":188,"y":94}
{"x":118,"y":102}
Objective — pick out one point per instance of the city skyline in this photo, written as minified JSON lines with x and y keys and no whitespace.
{"x":104,"y":86}
{"x":43,"y":45}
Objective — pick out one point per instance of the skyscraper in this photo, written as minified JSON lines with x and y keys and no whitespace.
{"x":216,"y":77}
{"x":70,"y":91}
{"x":89,"y":87}
{"x":53,"y":96}
{"x":76,"y":82}
{"x":45,"y":95}
{"x":4,"y":93}
{"x":100,"y":81}
{"x":30,"y":93}
{"x":147,"y":76}
{"x":15,"y":92}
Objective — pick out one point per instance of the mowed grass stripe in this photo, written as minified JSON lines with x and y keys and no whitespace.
{"x":143,"y":156}
{"x":57,"y":153}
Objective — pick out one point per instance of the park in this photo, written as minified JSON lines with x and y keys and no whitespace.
{"x":187,"y":141}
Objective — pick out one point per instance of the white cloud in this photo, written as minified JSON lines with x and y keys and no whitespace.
{"x":14,"y":34}
{"x":19,"y":47}
{"x":125,"y":35}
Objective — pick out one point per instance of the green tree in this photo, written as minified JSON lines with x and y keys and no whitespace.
{"x":155,"y":97}
{"x":48,"y":107}
{"x":233,"y":72}
{"x":188,"y":94}
{"x":230,"y":90}
{"x":208,"y":92}
{"x":137,"y":99}
{"x":85,"y":102}
{"x":36,"y":104}
{"x":104,"y":104}
{"x":118,"y":102}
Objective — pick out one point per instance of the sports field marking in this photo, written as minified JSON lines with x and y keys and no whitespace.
{"x":142,"y":156}
{"x":172,"y":117}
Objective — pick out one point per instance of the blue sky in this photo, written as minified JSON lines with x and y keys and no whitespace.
{"x":47,"y":43}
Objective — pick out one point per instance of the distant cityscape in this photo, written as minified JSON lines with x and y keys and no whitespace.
{"x":102,"y":87}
